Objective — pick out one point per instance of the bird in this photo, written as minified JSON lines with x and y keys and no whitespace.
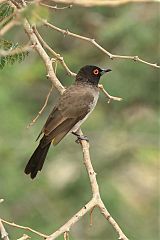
{"x":72,"y":109}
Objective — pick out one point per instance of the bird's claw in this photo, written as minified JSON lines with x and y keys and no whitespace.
{"x":81,"y":137}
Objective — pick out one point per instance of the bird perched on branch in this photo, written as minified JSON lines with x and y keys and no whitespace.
{"x":72,"y":109}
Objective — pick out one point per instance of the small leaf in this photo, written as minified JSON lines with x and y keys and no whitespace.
{"x":5,"y":10}
{"x":11,"y":59}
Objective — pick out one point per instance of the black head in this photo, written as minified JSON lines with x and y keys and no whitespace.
{"x":91,"y":74}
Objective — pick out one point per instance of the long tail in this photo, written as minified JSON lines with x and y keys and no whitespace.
{"x":37,"y":159}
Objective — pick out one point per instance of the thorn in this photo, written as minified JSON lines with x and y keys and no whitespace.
{"x":135,"y":58}
{"x":66,"y":235}
{"x":91,"y":216}
{"x":53,"y":60}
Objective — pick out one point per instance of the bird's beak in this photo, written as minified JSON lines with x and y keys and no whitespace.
{"x":105,"y":71}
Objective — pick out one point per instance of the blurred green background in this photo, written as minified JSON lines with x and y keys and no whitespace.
{"x":123,"y":135}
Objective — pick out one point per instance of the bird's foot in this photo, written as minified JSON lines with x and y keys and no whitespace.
{"x":80,"y":137}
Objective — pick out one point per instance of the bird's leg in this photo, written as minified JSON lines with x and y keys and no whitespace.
{"x":80,"y":137}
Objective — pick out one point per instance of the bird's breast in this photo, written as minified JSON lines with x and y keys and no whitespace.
{"x":91,"y":107}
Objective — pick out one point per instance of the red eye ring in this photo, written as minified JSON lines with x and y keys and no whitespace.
{"x":96,"y":71}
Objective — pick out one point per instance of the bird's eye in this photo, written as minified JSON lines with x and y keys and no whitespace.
{"x":96,"y":71}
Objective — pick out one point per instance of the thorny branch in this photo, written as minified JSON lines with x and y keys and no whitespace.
{"x":4,"y":234}
{"x":92,"y":41}
{"x":55,"y":7}
{"x":42,"y":109}
{"x":96,"y":200}
{"x":25,"y":228}
{"x":57,"y":56}
{"x":24,"y":237}
{"x":110,"y":3}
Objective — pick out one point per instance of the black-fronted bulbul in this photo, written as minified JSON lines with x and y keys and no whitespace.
{"x":72,"y":109}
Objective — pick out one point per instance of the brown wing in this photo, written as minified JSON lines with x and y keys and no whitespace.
{"x":73,"y":105}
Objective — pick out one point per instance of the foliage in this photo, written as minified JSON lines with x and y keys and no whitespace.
{"x":5,"y":10}
{"x":11,"y":59}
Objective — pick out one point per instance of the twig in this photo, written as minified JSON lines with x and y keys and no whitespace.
{"x":92,"y":41}
{"x":56,"y":55}
{"x":16,"y":4}
{"x":7,"y":18}
{"x":25,"y":228}
{"x":3,"y":1}
{"x":95,"y":189}
{"x":8,"y":26}
{"x":95,"y":201}
{"x":44,"y":56}
{"x":55,"y":7}
{"x":91,"y":216}
{"x":42,"y":109}
{"x":4,"y":234}
{"x":24,"y":237}
{"x":108,"y":95}
{"x":66,"y":236}
{"x":110,"y":3}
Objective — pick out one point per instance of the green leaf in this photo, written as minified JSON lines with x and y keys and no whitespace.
{"x":5,"y":10}
{"x":11,"y":59}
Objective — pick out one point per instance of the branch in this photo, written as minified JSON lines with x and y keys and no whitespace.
{"x":3,"y":1}
{"x":94,"y":202}
{"x":25,"y":228}
{"x":4,"y":234}
{"x":56,"y":55}
{"x":24,"y":237}
{"x":8,"y":26}
{"x":46,"y":59}
{"x":55,"y":7}
{"x":92,"y":41}
{"x":110,"y":3}
{"x":108,"y":95}
{"x":42,"y":109}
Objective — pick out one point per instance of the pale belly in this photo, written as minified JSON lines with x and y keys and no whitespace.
{"x":91,"y":106}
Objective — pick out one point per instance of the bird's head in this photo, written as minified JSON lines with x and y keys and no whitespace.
{"x":91,"y":74}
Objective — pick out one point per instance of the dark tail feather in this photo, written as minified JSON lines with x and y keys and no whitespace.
{"x":37,"y":159}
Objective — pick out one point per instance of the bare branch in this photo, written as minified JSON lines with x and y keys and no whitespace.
{"x":42,"y":109}
{"x":110,"y":3}
{"x":55,"y":7}
{"x":4,"y":234}
{"x":3,"y":1}
{"x":108,"y":95}
{"x":44,"y":56}
{"x":56,"y":55}
{"x":8,"y":26}
{"x":92,"y":41}
{"x":24,"y":237}
{"x":25,"y":228}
